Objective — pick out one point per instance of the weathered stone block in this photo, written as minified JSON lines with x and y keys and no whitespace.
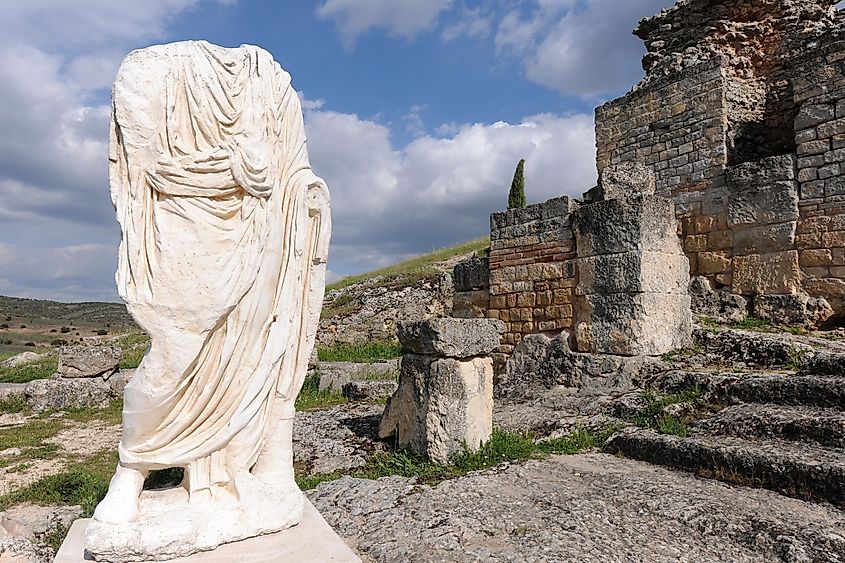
{"x":621,"y":225}
{"x":628,"y":179}
{"x":763,"y":172}
{"x":763,"y":192}
{"x":60,"y":394}
{"x":472,"y":274}
{"x":765,"y":238}
{"x":713,"y":262}
{"x":773,"y":273}
{"x":811,"y":115}
{"x":89,"y":361}
{"x":451,"y":338}
{"x":357,"y":390}
{"x":471,"y":304}
{"x":633,"y":324}
{"x":796,"y":309}
{"x":633,"y":272}
{"x":441,"y":406}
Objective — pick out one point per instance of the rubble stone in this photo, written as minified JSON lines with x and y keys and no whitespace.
{"x":89,"y":361}
{"x":442,"y":406}
{"x":450,"y":338}
{"x":797,"y":309}
{"x":59,"y":393}
{"x":721,"y":305}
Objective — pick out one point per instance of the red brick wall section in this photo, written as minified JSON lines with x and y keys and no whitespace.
{"x":532,"y":270}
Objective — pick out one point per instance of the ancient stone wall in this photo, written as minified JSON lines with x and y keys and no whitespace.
{"x":741,"y":116}
{"x":676,"y":127}
{"x":532,"y":273}
{"x":820,"y":136}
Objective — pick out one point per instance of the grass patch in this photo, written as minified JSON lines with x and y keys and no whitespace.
{"x":655,"y":418}
{"x":113,"y":414}
{"x":414,"y":269}
{"x":70,"y":487}
{"x":503,"y":447}
{"x":751,"y":323}
{"x":310,"y":397}
{"x":134,"y":347}
{"x":39,"y":369}
{"x":361,"y":353}
{"x":579,"y":441}
{"x":13,"y":404}
{"x":30,"y":435}
{"x":84,"y":482}
{"x":797,"y":358}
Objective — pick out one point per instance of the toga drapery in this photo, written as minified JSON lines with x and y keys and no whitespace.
{"x":222,"y":260}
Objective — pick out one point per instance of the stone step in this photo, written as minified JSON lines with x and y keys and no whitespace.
{"x":825,"y":427}
{"x":795,"y":390}
{"x":790,"y":468}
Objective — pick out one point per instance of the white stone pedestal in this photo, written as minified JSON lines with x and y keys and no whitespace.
{"x":311,"y":540}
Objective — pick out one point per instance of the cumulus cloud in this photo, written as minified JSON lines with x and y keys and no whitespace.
{"x":389,"y":203}
{"x":578,"y":47}
{"x":400,"y":18}
{"x":56,"y":61}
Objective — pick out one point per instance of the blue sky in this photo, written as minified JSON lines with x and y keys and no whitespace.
{"x":416,"y":113}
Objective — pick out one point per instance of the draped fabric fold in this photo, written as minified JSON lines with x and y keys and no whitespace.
{"x":225,"y":231}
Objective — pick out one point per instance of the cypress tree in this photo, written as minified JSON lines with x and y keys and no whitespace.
{"x":516,"y":197}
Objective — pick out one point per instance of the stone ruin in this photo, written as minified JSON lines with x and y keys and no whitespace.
{"x":738,"y":128}
{"x":87,"y":376}
{"x":444,"y":402}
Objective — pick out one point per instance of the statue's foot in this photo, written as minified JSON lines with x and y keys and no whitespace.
{"x":120,"y":504}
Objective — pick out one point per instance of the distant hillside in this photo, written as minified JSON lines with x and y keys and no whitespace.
{"x":35,"y":324}
{"x":365,"y":307}
{"x":416,"y":268}
{"x":356,"y":308}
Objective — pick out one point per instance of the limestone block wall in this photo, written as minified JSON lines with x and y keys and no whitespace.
{"x":532,"y":273}
{"x":763,"y":215}
{"x":677,"y":126}
{"x":820,"y":137}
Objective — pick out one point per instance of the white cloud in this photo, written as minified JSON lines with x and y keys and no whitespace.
{"x":400,"y":18}
{"x":578,"y":47}
{"x":56,"y":60}
{"x":389,"y":203}
{"x":471,"y":22}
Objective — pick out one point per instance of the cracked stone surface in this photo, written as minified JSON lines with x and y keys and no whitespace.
{"x":585,"y":508}
{"x":336,"y":439}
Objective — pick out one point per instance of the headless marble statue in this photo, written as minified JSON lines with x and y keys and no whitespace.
{"x":222,"y":261}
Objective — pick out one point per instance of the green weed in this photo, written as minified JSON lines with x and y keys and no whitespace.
{"x":39,"y":369}
{"x":360,"y":353}
{"x":310,"y":397}
{"x":503,"y":447}
{"x":13,"y":404}
{"x":134,"y":347}
{"x":751,"y":322}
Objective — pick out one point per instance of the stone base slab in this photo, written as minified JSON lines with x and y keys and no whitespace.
{"x":311,"y":540}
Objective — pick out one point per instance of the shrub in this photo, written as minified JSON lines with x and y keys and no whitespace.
{"x":516,"y":197}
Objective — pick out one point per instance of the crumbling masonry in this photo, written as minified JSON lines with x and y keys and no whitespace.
{"x":741,"y":120}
